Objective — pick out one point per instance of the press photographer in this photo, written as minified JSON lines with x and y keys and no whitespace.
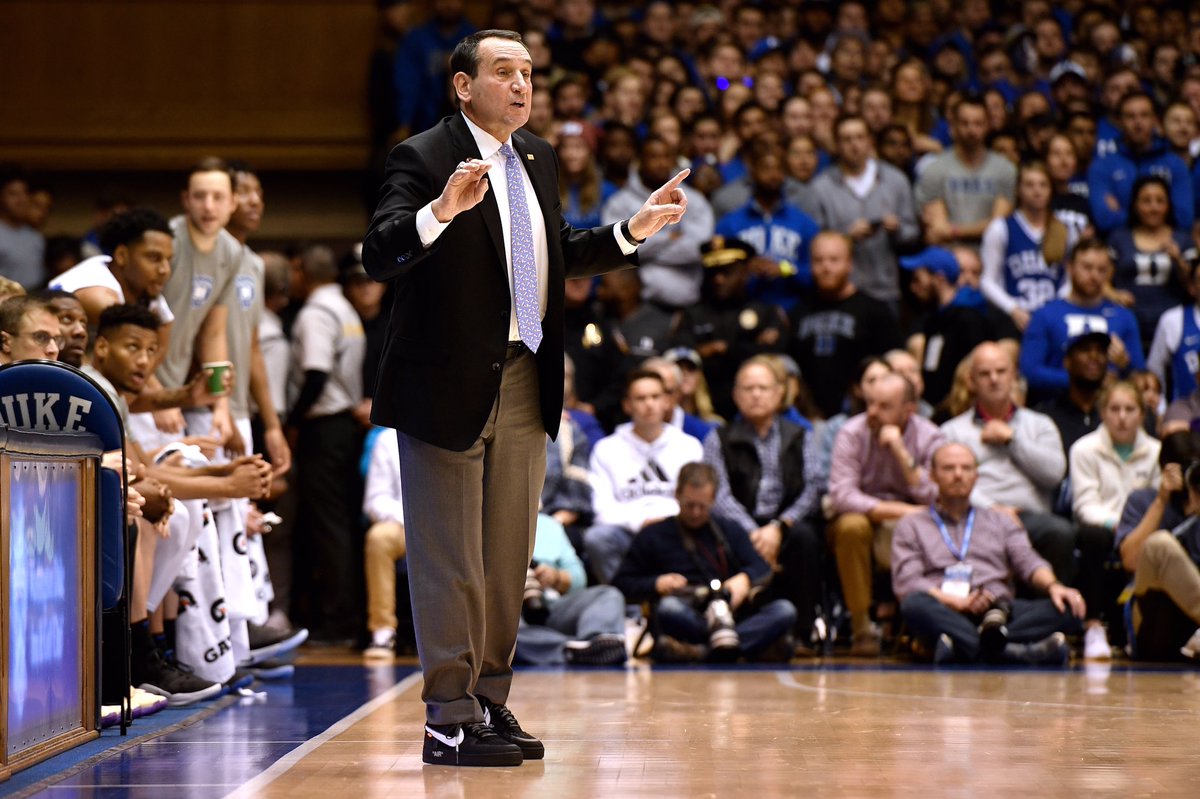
{"x":702,"y":573}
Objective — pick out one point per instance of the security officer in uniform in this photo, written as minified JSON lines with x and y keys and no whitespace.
{"x":726,"y":327}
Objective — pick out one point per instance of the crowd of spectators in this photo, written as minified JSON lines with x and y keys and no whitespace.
{"x":928,"y":247}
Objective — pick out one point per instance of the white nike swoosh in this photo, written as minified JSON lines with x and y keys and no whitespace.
{"x":448,"y":741}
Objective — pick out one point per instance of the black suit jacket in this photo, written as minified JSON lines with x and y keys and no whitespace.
{"x":444,"y":355}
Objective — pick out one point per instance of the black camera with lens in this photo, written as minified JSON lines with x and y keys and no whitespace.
{"x":533,"y":604}
{"x":713,"y":601}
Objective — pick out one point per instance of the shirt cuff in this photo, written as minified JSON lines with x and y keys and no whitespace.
{"x":627,"y":246}
{"x":428,"y":226}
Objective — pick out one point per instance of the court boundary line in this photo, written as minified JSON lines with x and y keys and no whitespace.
{"x":254,"y":786}
{"x":788,"y":680}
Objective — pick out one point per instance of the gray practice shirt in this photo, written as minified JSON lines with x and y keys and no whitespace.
{"x":328,"y":337}
{"x":198,"y":282}
{"x":969,"y":194}
{"x":245,"y":310}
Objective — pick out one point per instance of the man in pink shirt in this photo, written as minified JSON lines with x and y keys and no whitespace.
{"x":879,"y":473}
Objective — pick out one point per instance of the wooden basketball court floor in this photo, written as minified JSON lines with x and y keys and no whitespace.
{"x":832,"y":729}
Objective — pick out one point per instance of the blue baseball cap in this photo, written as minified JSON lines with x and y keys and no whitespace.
{"x":935,"y":259}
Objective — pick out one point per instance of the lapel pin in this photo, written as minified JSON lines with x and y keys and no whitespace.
{"x":529,"y":156}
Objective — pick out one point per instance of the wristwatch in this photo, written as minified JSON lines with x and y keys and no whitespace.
{"x":629,"y":235}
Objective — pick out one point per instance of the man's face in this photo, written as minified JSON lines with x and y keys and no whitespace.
{"x":830,"y":257}
{"x":853,"y":143}
{"x":695,"y":505}
{"x":1087,"y":362}
{"x":644,"y":402}
{"x":14,"y":200}
{"x":706,"y":138}
{"x":886,"y":404}
{"x":970,"y":126}
{"x":756,"y":393}
{"x":767,"y":173}
{"x":1117,"y":86}
{"x":38,"y":336}
{"x":146,"y":263}
{"x":1082,"y":131}
{"x":249,"y":194}
{"x":1138,"y":121}
{"x":126,"y":355}
{"x":728,"y":282}
{"x":992,"y":376}
{"x":877,"y":109}
{"x":954,"y":472}
{"x":656,"y":164}
{"x":1090,"y":271}
{"x":751,"y":123}
{"x":208,"y":201}
{"x":896,"y":149}
{"x":72,"y":323}
{"x":500,"y":95}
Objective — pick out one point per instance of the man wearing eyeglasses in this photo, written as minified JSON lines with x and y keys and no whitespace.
{"x":28,"y":330}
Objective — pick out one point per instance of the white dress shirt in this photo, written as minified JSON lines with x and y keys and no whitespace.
{"x":429,"y":228}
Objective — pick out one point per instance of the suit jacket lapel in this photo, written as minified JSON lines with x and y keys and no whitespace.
{"x":465,"y":147}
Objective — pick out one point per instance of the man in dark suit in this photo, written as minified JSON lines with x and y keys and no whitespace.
{"x":470,"y":230}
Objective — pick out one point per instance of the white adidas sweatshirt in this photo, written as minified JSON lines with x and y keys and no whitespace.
{"x":634,"y":480}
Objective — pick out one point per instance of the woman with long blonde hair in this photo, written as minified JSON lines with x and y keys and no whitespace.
{"x":1023,"y":254}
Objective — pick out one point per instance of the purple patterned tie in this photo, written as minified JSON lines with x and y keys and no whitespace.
{"x":525,"y":279}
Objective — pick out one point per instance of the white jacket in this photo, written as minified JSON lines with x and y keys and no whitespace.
{"x":634,"y":480}
{"x":382,"y":498}
{"x":1101,"y":481}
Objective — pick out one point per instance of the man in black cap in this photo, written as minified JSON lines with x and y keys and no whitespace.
{"x":1074,"y":411}
{"x":726,"y":327}
{"x":952,"y":328}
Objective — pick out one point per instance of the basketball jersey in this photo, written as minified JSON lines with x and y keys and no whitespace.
{"x":1027,"y":277}
{"x":1186,"y":358}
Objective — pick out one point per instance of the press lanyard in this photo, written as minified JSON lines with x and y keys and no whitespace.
{"x":966,"y":544}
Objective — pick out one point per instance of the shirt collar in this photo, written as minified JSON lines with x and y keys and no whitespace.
{"x":486,"y":142}
{"x":984,"y":416}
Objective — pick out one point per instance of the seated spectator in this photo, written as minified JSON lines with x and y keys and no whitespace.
{"x":633,"y":473}
{"x":1074,"y":411}
{"x":952,"y":329}
{"x":780,"y":232}
{"x":567,"y":492}
{"x":565,"y":620}
{"x":1159,"y":545}
{"x":1019,"y":457}
{"x":702,"y":571}
{"x":383,"y":506}
{"x":727,"y":327}
{"x":1151,"y":256}
{"x":838,"y":325}
{"x":22,"y":249}
{"x":582,"y":191}
{"x":1084,"y":309}
{"x":871,"y":202}
{"x":673,"y":412}
{"x":1106,"y":466}
{"x":879,"y":473}
{"x":640,"y":328}
{"x":767,"y":484}
{"x":1175,"y":350}
{"x":29,"y":330}
{"x":1140,"y":151}
{"x":869,"y":370}
{"x":670,"y":265}
{"x":1068,"y":207}
{"x":954,"y":568}
{"x":962,"y":190}
{"x":694,"y":395}
{"x":1023,"y":253}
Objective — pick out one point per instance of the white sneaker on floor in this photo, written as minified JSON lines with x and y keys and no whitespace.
{"x":1192,"y":648}
{"x":383,"y":645}
{"x":1095,"y":644}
